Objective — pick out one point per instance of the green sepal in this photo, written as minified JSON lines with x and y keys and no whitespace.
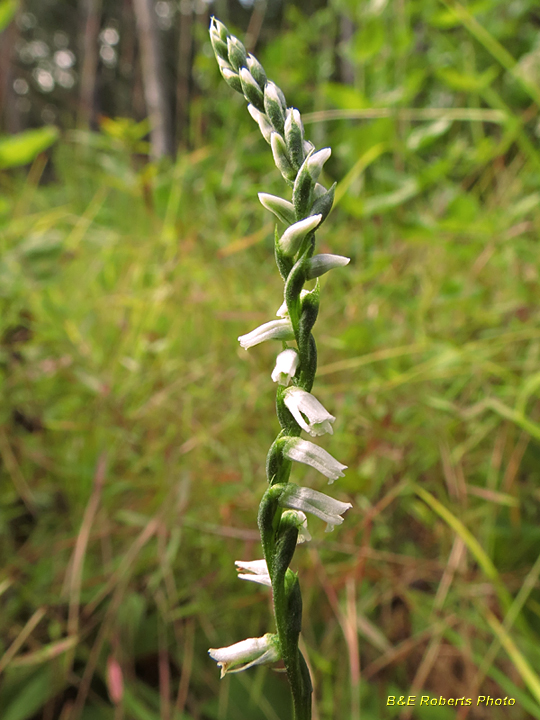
{"x":283,"y":262}
{"x":323,"y":204}
{"x":303,"y":191}
{"x":218,"y":38}
{"x":278,"y":468}
{"x":237,"y":53}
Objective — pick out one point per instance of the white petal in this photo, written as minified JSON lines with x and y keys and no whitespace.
{"x":257,"y":571}
{"x":322,"y":506}
{"x":307,"y":452}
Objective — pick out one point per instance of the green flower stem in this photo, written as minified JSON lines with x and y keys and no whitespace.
{"x":300,"y":166}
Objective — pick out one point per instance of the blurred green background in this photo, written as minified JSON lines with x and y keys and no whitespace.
{"x":133,"y":429}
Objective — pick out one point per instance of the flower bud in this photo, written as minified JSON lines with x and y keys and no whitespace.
{"x":273,"y":107}
{"x":218,"y":38}
{"x":261,"y":119}
{"x":320,"y":264}
{"x":281,"y":97}
{"x":252,"y":92}
{"x":237,"y":53}
{"x":316,"y":162}
{"x":292,"y":238}
{"x":232,"y":79}
{"x":319,"y":190}
{"x":323,"y":203}
{"x":294,"y":137}
{"x":256,"y":70}
{"x":281,"y":158}
{"x":303,"y":190}
{"x":223,"y":64}
{"x":282,"y":209}
{"x":298,"y":518}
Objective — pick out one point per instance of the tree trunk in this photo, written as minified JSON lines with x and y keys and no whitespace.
{"x":9,"y":116}
{"x":157,"y":105}
{"x":185,"y":44}
{"x":91,"y":11}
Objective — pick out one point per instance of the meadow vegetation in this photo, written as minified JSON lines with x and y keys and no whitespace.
{"x":133,"y":429}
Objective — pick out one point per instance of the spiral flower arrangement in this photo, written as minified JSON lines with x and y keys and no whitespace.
{"x":282,"y":511}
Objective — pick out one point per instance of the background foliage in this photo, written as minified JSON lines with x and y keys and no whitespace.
{"x":133,"y":429}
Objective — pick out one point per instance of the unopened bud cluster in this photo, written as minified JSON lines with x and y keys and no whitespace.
{"x":282,"y":512}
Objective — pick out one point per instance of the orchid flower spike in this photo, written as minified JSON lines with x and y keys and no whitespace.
{"x":282,"y":512}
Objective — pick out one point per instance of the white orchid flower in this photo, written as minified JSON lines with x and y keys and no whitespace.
{"x":273,"y":330}
{"x":311,"y":501}
{"x":286,"y":364}
{"x":308,"y":412}
{"x":245,"y":654}
{"x":320,"y":264}
{"x":307,"y":452}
